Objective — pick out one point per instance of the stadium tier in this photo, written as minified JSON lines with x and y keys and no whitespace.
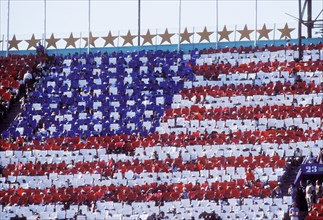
{"x":131,"y":135}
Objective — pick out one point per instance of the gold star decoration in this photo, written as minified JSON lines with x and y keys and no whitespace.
{"x":148,"y":38}
{"x":92,"y":40}
{"x":224,"y":34}
{"x":128,"y":38}
{"x":264,"y":32}
{"x":13,"y":43}
{"x":245,"y":33}
{"x":32,"y":42}
{"x":166,"y":37}
{"x":286,"y":31}
{"x":109,"y":39}
{"x":205,"y":35}
{"x":70,"y":41}
{"x":52,"y":41}
{"x":186,"y":36}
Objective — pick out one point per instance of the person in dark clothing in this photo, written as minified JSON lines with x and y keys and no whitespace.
{"x":40,"y":49}
{"x":18,"y":218}
{"x":211,"y":216}
{"x":301,"y":201}
{"x":152,"y":217}
{"x":1,"y":169}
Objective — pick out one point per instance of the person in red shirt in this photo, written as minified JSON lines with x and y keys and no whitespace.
{"x":48,"y":197}
{"x":250,"y":176}
{"x":36,"y":197}
{"x":81,"y":197}
{"x":14,"y":199}
{"x":200,"y":165}
{"x":23,"y":199}
{"x":61,"y":197}
{"x":5,"y":198}
{"x":122,"y":196}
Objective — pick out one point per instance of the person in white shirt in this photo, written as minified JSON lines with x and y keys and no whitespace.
{"x":27,"y":79}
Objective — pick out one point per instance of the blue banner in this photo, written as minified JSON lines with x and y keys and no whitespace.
{"x":312,"y":169}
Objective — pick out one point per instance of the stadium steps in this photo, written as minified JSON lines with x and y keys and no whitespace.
{"x":289,"y":178}
{"x":11,"y":114}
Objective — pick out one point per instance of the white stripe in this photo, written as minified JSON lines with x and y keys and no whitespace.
{"x":261,"y":100}
{"x":180,"y":125}
{"x":130,"y":178}
{"x":258,"y":78}
{"x":184,"y":207}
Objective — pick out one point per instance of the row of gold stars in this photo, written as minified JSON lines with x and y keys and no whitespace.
{"x":148,"y":37}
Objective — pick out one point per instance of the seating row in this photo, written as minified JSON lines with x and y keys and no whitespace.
{"x":230,"y":177}
{"x":141,"y":154}
{"x":181,"y":163}
{"x":184,"y":207}
{"x":270,"y":89}
{"x":250,"y":49}
{"x":181,"y":124}
{"x":178,"y":125}
{"x":248,"y":137}
{"x":81,"y":193}
{"x":212,"y":69}
{"x":239,"y":101}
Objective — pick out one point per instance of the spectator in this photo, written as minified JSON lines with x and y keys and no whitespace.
{"x":2,"y":109}
{"x":318,"y":191}
{"x":152,"y":217}
{"x":311,"y":158}
{"x":161,"y":215}
{"x":40,"y":49}
{"x":28,"y":79}
{"x":309,"y":194}
{"x":301,"y":201}
{"x":277,"y":191}
{"x":292,"y":191}
{"x":184,"y":193}
{"x":298,"y":157}
{"x":298,"y":79}
{"x":1,"y":169}
{"x":293,"y":212}
{"x":320,"y":157}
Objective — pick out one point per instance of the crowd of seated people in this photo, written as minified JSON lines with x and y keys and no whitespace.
{"x":69,"y":96}
{"x":12,"y":71}
{"x":145,"y":127}
{"x":265,"y":48}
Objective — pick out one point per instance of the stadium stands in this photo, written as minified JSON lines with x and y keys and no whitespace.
{"x":130,"y":135}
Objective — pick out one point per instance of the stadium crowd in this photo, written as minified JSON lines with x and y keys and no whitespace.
{"x":98,"y":159}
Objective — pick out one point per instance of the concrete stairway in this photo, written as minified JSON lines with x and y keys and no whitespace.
{"x":10,"y":116}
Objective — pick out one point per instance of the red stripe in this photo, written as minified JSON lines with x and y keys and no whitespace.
{"x":108,"y":168}
{"x":126,"y":143}
{"x":144,"y":193}
{"x":250,"y":90}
